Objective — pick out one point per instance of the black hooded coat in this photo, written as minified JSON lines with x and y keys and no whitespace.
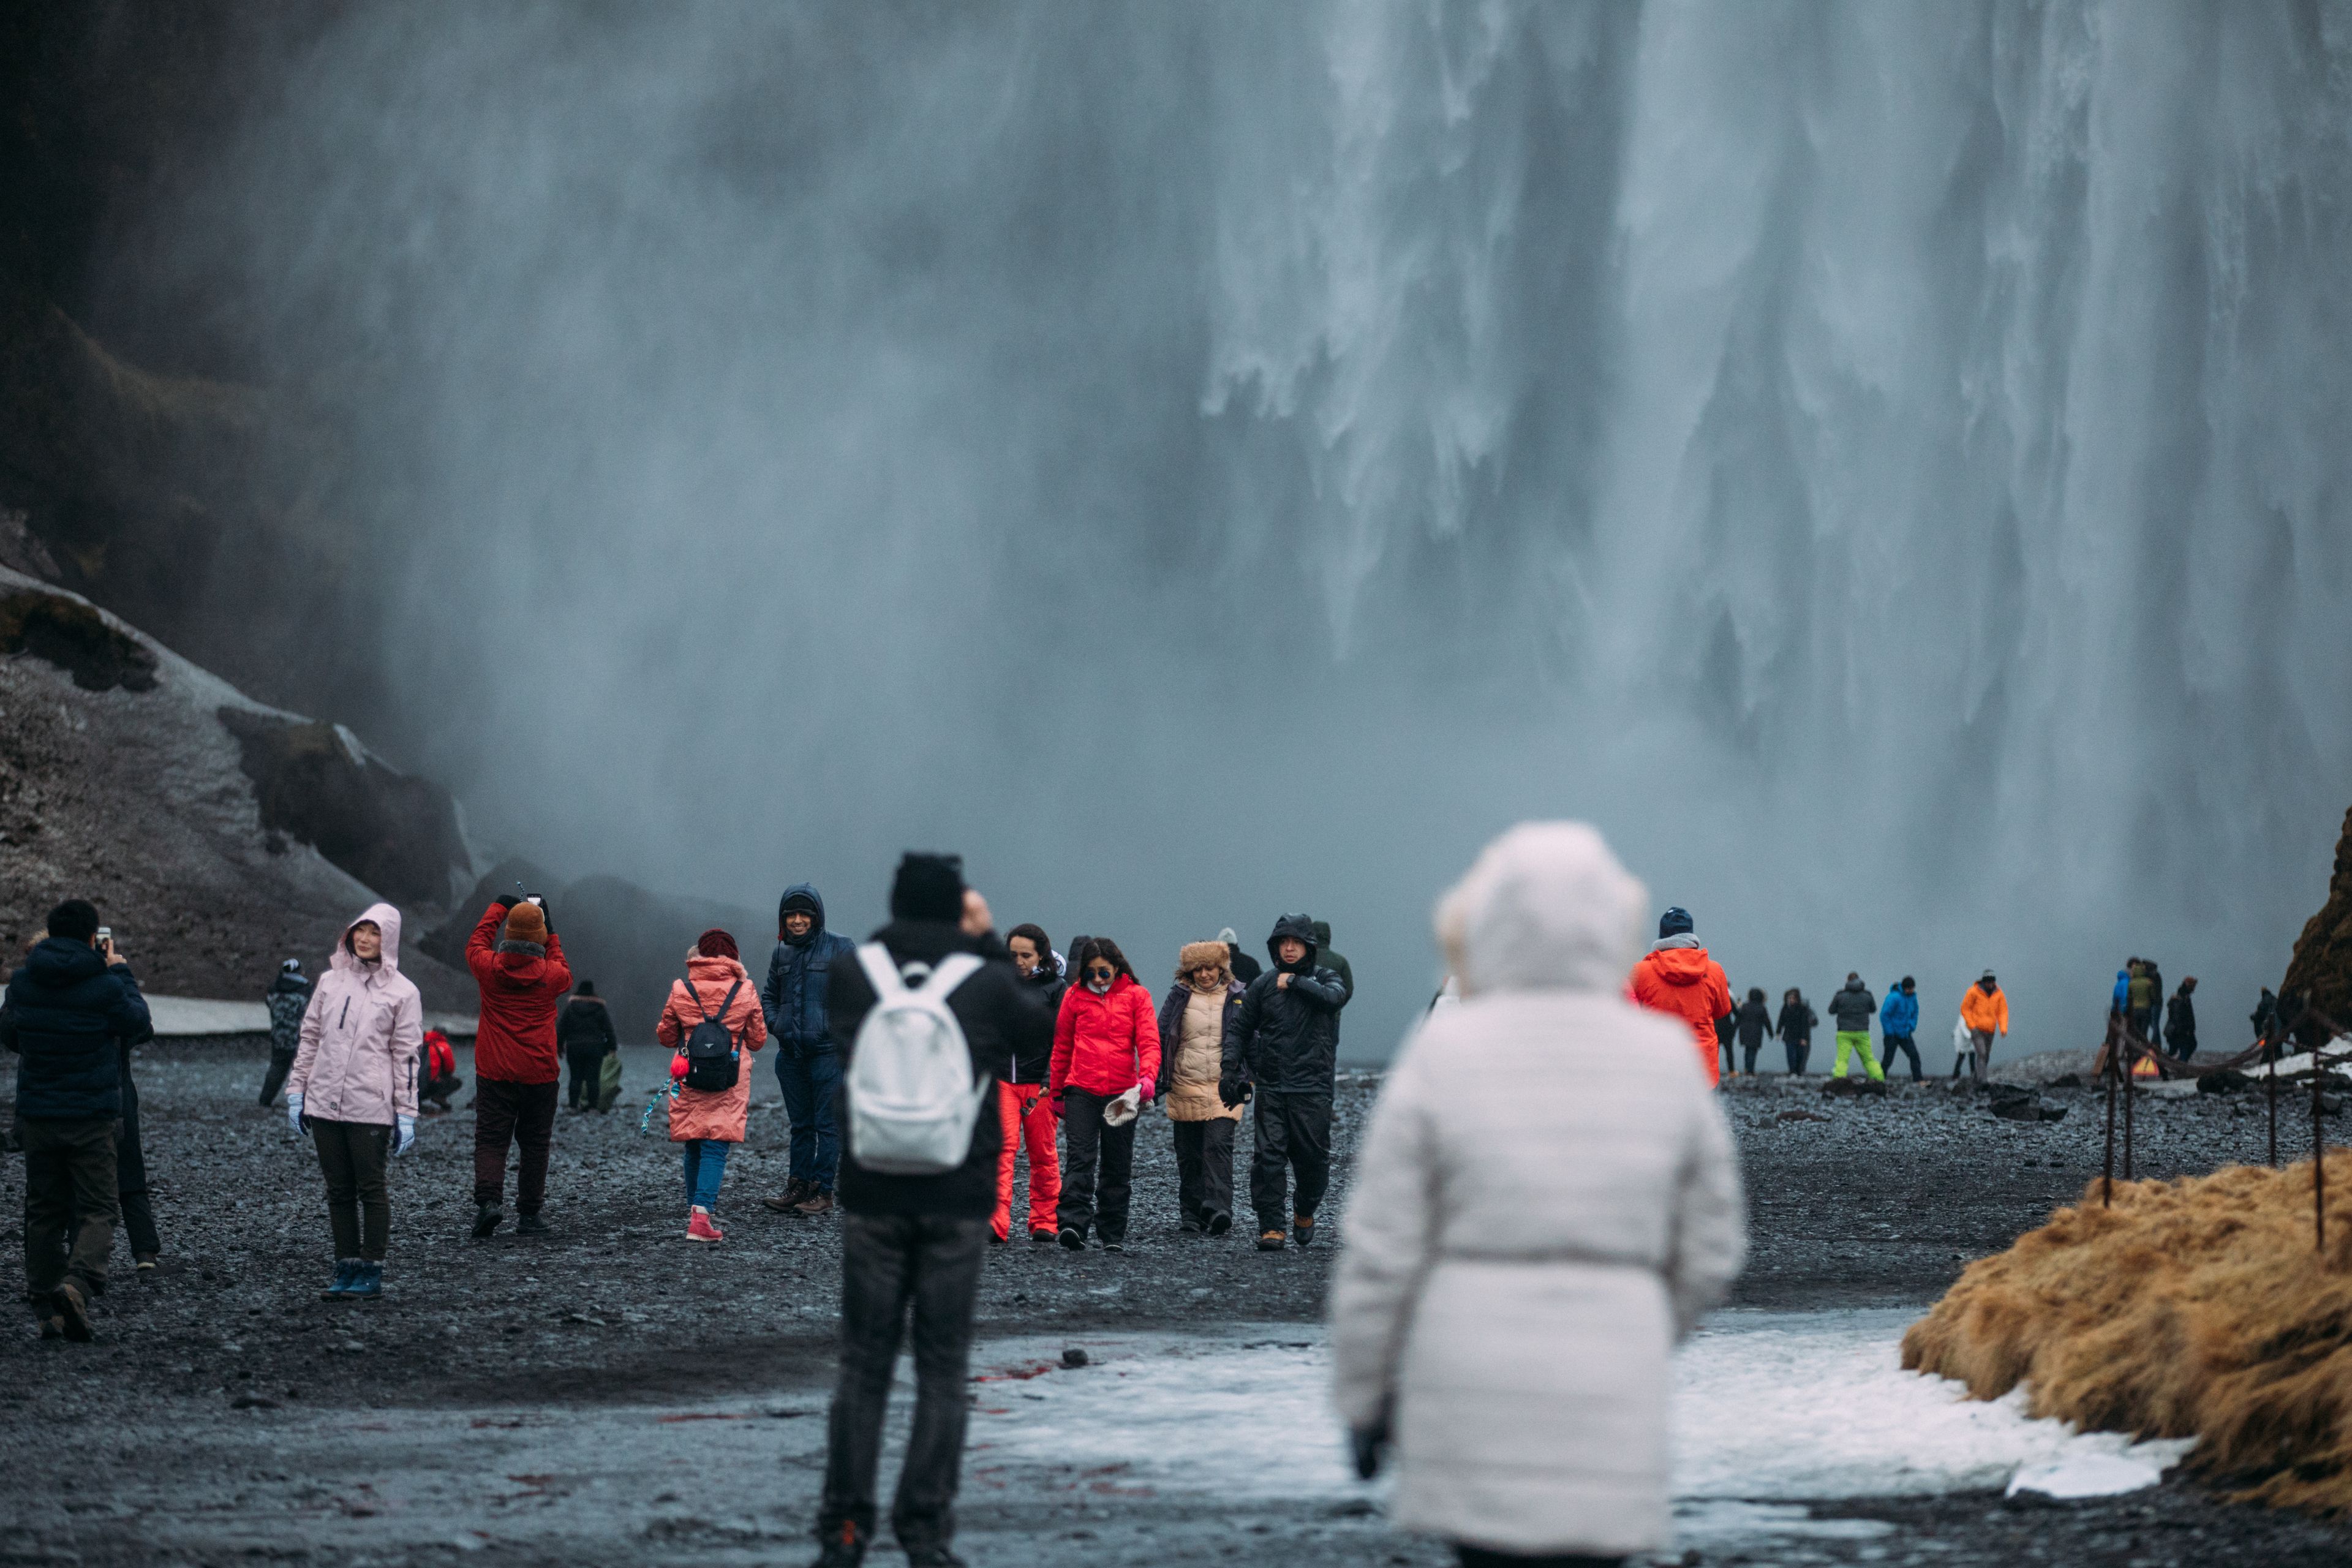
{"x":1285,"y":1039}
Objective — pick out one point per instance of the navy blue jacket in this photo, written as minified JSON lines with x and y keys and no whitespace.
{"x":793,"y":995}
{"x":68,"y":1017}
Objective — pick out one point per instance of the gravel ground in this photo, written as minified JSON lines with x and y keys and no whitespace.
{"x":572,"y":1399}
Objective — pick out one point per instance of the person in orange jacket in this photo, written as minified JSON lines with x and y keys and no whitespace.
{"x":1984,"y":1008}
{"x":1677,"y":977}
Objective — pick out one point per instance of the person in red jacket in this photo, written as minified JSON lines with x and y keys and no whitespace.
{"x":1105,"y":1065}
{"x":1677,"y":977}
{"x":436,"y":1073}
{"x":518,"y":961}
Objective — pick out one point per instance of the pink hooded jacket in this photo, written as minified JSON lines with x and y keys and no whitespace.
{"x":361,"y":1035}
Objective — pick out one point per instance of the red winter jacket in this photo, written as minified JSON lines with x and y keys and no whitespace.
{"x":1685,"y":984}
{"x":519,"y":990}
{"x":1106,"y":1044}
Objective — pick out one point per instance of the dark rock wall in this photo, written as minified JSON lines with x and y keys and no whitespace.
{"x":2321,"y":973}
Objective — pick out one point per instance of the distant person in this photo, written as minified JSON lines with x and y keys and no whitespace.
{"x":1194,"y":1017}
{"x":584,"y":1031}
{"x":2142,"y":997}
{"x":1245,"y":968}
{"x":1547,"y":1201}
{"x":1854,"y":1007}
{"x":132,"y":1196}
{"x":916,"y":1242}
{"x":706,"y":1117}
{"x":2119,"y":1003}
{"x":1727,"y":1041}
{"x":354,"y":1090}
{"x":2155,"y":998}
{"x":436,"y":1073}
{"x":2264,"y":1018}
{"x":1105,"y":1069}
{"x":2180,"y":1021}
{"x":1677,"y":977}
{"x":1964,"y":1039}
{"x":71,"y":1006}
{"x":808,"y":1068}
{"x":1023,"y":1105}
{"x":1284,"y":1047}
{"x":1985,"y":1010}
{"x":289,"y":995}
{"x":1338,"y":966}
{"x":1898,"y":1024}
{"x":518,"y":961}
{"x":1798,"y":1021}
{"x":1754,"y":1026}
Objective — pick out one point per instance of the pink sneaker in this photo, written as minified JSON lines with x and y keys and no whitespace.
{"x":699,"y":1228}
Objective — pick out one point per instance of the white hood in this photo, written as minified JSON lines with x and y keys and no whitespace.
{"x":1546,"y":907}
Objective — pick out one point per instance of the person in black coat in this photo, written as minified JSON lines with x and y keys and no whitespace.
{"x":1752,"y":1022}
{"x":1284,"y":1048}
{"x":584,"y":1031}
{"x":2180,"y":1021}
{"x":1798,"y":1021}
{"x":287,"y":998}
{"x":1245,"y":968}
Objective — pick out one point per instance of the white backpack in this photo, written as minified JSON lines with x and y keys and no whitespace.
{"x":913,"y":1099}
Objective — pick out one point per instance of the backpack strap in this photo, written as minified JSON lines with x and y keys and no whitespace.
{"x":724,"y":1008}
{"x":880,"y":973}
{"x":953,"y":971}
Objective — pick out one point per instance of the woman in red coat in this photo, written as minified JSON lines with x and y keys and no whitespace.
{"x":1106,"y":1062}
{"x":705,"y":1122}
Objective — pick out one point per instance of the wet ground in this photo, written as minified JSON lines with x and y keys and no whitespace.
{"x":613,"y":1395}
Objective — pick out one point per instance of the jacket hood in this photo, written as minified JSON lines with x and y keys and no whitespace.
{"x":1547,"y":907}
{"x":1303,"y":928}
{"x":1681,"y":939}
{"x":705,"y":969}
{"x":387,"y":920}
{"x":801,"y":896}
{"x":1680,"y":965}
{"x":57,"y":963}
{"x":1322,"y":936}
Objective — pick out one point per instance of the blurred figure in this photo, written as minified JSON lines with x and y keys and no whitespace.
{"x":1284,"y":1048}
{"x":2180,"y":1021}
{"x":1985,"y":1010}
{"x":287,"y":997}
{"x":1727,"y":1039}
{"x":1798,"y":1021}
{"x":584,"y":1031}
{"x":808,"y":1070}
{"x":2266,"y":1019}
{"x":2119,"y":1003}
{"x":708,"y":1117}
{"x":1105,"y":1069}
{"x":2141,"y":995}
{"x":1854,"y":1007}
{"x":436,"y":1073}
{"x":1336,"y":965}
{"x":1245,"y":968}
{"x":1898,"y":1024}
{"x":1754,"y":1024}
{"x":1547,"y":1203}
{"x":1021,"y":1103}
{"x":1677,"y":977}
{"x":518,"y":963}
{"x":1195,"y":1016}
{"x":354,"y":1090}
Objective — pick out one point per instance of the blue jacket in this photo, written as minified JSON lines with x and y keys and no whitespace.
{"x":1900,"y":1015}
{"x":68,"y":1017}
{"x":793,"y":995}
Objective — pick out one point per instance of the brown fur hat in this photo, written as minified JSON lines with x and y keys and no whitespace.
{"x":1196,"y":953}
{"x":525,"y":923}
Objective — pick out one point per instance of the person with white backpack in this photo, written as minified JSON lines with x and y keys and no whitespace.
{"x":924,"y":1019}
{"x":712,"y":1020}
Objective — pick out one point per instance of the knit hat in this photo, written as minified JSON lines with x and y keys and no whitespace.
{"x":291,"y":966}
{"x":928,"y":888}
{"x":525,"y":923}
{"x":586,"y":988}
{"x":716,"y":944}
{"x":1195,"y":955}
{"x":1674,"y":922}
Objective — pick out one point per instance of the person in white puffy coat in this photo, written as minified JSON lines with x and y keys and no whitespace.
{"x":1545,"y":1202}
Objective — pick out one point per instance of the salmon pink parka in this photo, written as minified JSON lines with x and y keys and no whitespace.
{"x":361,"y":1035}
{"x":716,"y":1114}
{"x":1106,"y":1044}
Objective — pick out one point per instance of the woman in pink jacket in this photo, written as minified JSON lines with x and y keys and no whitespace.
{"x":1106,"y":1067}
{"x":354,"y":1090}
{"x":705,"y":1122}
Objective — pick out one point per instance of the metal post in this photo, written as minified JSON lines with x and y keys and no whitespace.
{"x":2131,"y":1092}
{"x":2108,"y":1177}
{"x":2270,"y":1082}
{"x":2318,"y":1164}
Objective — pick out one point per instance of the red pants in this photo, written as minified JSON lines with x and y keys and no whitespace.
{"x":1028,"y":1117}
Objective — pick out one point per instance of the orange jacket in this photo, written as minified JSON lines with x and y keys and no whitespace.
{"x":1686,"y":984}
{"x":1987,"y":1014}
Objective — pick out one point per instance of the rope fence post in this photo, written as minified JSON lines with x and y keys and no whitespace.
{"x":2107,"y":1175}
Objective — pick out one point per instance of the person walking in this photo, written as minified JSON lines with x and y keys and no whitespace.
{"x":1548,"y":1202}
{"x":288,"y":996}
{"x":1022,"y":1105}
{"x":1798,"y":1020}
{"x":354,"y":1090}
{"x":71,"y":1008}
{"x":704,"y":1120}
{"x":1284,"y":1048}
{"x":1852,"y":1009}
{"x":518,"y":963}
{"x":2180,"y":1021}
{"x":436,"y":1073}
{"x":2142,"y":997}
{"x":914,"y":1243}
{"x":1727,"y":1041}
{"x":1338,"y":966}
{"x":808,"y":1070}
{"x":1985,"y":1010}
{"x":1898,"y":1024}
{"x":1677,"y":977}
{"x":1199,"y":1008}
{"x":1753,"y":1024}
{"x":1105,"y":1069}
{"x":584,"y":1032}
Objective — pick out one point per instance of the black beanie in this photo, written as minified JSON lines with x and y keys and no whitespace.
{"x":586,"y":988}
{"x":928,"y":888}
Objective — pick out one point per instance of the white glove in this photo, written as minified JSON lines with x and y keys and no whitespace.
{"x":294,"y":1113}
{"x":403,"y":1137}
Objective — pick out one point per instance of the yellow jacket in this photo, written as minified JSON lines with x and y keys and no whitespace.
{"x":1988,"y":1013}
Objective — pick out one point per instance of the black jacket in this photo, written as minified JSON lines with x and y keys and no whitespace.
{"x":585,"y":1026}
{"x":1797,"y":1021}
{"x":68,"y":1017}
{"x":1287,"y":1038}
{"x":2180,"y":1025}
{"x":1036,"y":1064}
{"x":1002,"y":1018}
{"x":793,"y":998}
{"x":287,"y":998}
{"x":1755,"y":1022}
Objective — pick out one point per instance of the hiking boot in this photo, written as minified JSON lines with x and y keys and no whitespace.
{"x":818,"y":1202}
{"x":73,"y":1312}
{"x":842,"y":1548}
{"x":340,"y":1286}
{"x":53,"y":1328}
{"x":367,"y":1283}
{"x":1191,"y":1227}
{"x":795,"y":1192}
{"x":699,"y":1228}
{"x":488,"y":1219}
{"x":1302,"y":1229}
{"x":148,"y":1272}
{"x":1041,"y":1237}
{"x":1272,"y":1241}
{"x":1220,"y":1223}
{"x":1072,"y":1237}
{"x":1114,"y":1247}
{"x":532,"y":1224}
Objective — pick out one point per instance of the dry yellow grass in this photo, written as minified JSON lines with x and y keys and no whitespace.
{"x":2195,"y":1308}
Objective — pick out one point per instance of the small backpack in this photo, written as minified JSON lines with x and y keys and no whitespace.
{"x":712,"y":1057}
{"x":912,"y":1096}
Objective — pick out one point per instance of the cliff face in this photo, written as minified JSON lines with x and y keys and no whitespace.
{"x":2321,"y":972}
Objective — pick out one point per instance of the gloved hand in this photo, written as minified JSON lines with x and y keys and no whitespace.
{"x":1231,"y":1092}
{"x":294,"y":1114}
{"x":1370,"y":1446}
{"x":404,"y":1135}
{"x":1147,"y":1085}
{"x":507,"y":901}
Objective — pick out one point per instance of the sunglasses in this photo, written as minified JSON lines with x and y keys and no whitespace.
{"x":1099,"y":971}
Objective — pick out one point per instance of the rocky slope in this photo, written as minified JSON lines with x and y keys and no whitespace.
{"x":2321,"y":972}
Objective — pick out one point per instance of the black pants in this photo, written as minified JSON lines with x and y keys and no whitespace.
{"x":890,"y":1263}
{"x":68,"y":1201}
{"x":1479,"y":1557}
{"x":353,"y":1155}
{"x":1797,"y":1050}
{"x":1749,"y":1052}
{"x":587,"y":1070}
{"x":1204,"y":1170}
{"x":130,"y":1177}
{"x":1085,"y":1137}
{"x":281,"y":1064}
{"x":522,"y":1114}
{"x":1294,"y":1134}
{"x":1893,"y":1043}
{"x":438,"y":1090}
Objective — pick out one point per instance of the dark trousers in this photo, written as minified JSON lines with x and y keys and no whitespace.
{"x":1204,"y":1170}
{"x":438,"y":1090}
{"x":1909,"y":1046}
{"x":1749,"y":1052}
{"x":68,"y":1201}
{"x":130,"y":1177}
{"x":353,"y":1155}
{"x":890,"y":1263}
{"x":811,"y":1080}
{"x":522,"y":1114}
{"x":587,"y":1071}
{"x":1294,"y":1134}
{"x":281,"y":1064}
{"x":1798,"y":1051}
{"x":1479,"y":1557}
{"x":1087,"y":1142}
